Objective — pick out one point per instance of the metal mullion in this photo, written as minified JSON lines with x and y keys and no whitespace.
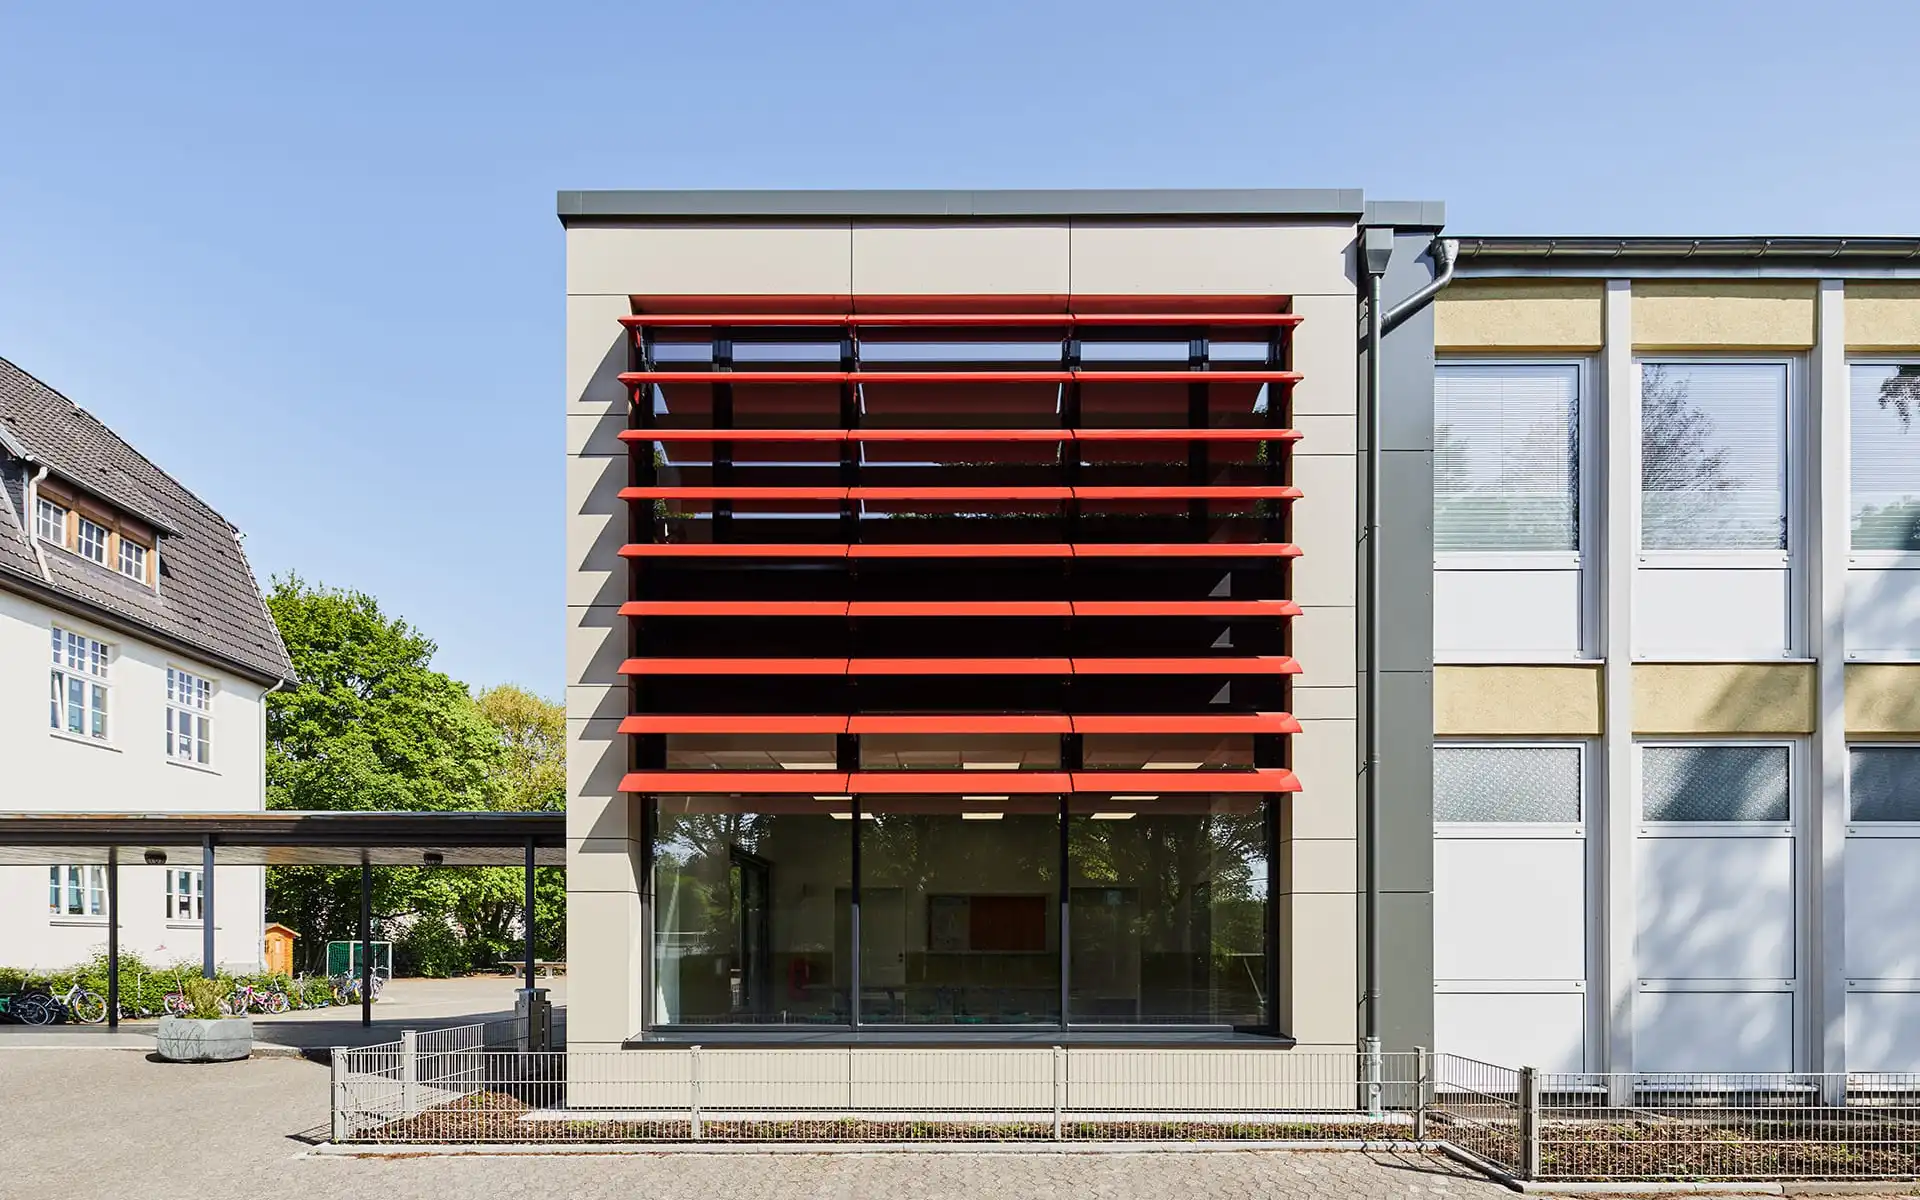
{"x":853,"y":920}
{"x":1197,"y":418}
{"x":722,"y":466}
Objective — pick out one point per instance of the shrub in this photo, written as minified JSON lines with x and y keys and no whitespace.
{"x":204,"y":996}
{"x":432,"y":948}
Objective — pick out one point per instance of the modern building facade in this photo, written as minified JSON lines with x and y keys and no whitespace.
{"x":135,"y":653}
{"x":969,"y":630}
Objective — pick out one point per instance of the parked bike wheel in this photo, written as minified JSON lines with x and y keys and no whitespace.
{"x":35,"y":1008}
{"x":277,"y":1003}
{"x":88,"y":1008}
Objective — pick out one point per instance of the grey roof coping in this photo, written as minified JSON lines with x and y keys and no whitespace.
{"x":1405,"y":214}
{"x":938,"y":202}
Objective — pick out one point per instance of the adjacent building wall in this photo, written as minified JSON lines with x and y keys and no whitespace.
{"x":46,"y":771}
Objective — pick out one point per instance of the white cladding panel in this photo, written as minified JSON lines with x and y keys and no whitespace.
{"x":1533,"y":1029}
{"x":1715,"y":908}
{"x":1883,"y":908}
{"x":1496,"y":613}
{"x":1883,"y":612}
{"x":1482,"y":933}
{"x":1883,"y":1031}
{"x":1704,"y":612}
{"x":1713,"y":1031}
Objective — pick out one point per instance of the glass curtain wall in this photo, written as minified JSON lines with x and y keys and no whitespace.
{"x":958,"y":917}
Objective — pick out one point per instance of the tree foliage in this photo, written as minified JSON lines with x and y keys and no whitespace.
{"x":369,"y":724}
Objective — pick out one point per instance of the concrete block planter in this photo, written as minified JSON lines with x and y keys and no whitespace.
{"x":190,"y":1039}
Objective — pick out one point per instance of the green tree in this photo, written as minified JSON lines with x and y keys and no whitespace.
{"x":368,"y":724}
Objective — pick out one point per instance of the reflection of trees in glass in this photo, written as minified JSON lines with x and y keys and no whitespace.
{"x":1901,"y":393}
{"x":1179,"y":863}
{"x":1528,"y":502}
{"x":692,"y":861}
{"x":1688,"y":486}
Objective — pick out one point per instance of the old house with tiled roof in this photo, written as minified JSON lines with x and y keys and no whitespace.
{"x":134,"y":602}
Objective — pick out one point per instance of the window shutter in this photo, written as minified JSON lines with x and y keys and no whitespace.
{"x":1885,"y":405}
{"x":1713,"y":452}
{"x":1506,"y":458}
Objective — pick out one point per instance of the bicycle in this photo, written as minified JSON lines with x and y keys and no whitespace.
{"x":32,"y":1005}
{"x":247,"y":998}
{"x":346,"y":988}
{"x":80,"y":1005}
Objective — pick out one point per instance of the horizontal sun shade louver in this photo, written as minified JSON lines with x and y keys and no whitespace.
{"x":954,"y":532}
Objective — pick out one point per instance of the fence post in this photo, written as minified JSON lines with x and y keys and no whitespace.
{"x":1059,"y":1087}
{"x":1422,"y":1088}
{"x":693,"y":1092}
{"x":409,"y":1072}
{"x":1529,"y":1123}
{"x":338,"y":1090}
{"x":1370,"y":1074}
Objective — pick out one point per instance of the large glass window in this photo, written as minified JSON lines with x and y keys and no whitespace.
{"x":1167,"y":911}
{"x":1506,"y":457}
{"x":960,"y":910}
{"x":78,"y":703}
{"x":1713,"y":456}
{"x":1886,"y":457}
{"x":750,"y":910}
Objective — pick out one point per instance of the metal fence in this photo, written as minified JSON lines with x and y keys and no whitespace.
{"x":1536,"y":1125}
{"x":476,"y":1084}
{"x":869,"y":1094}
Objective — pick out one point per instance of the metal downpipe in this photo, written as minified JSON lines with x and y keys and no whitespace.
{"x":1370,"y":788}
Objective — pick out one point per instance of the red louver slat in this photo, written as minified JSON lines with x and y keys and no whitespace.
{"x":734,"y":608}
{"x":962,"y":723}
{"x":1255,"y":665}
{"x":1269,"y":779}
{"x":734,"y":666}
{"x":1188,"y":723}
{"x":730,"y":782}
{"x":728,"y":723}
{"x":960,"y":320}
{"x":951,"y":783}
{"x":959,"y":666}
{"x":1185,"y":608}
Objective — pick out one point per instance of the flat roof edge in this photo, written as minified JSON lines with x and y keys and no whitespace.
{"x":935,"y":203}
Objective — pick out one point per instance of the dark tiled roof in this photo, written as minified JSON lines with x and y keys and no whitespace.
{"x":208,"y":598}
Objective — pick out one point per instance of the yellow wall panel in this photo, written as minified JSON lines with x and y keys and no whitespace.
{"x":1493,"y":700}
{"x":1883,"y":699}
{"x":1883,"y":316}
{"x":1483,"y":314}
{"x":1715,"y":698}
{"x":1723,"y":314}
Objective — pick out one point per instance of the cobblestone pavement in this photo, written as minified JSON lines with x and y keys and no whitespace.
{"x":111,"y":1123}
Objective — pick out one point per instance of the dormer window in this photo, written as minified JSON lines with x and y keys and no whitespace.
{"x":50,"y":522}
{"x":133,"y":559}
{"x":81,"y":525}
{"x":90,"y":541}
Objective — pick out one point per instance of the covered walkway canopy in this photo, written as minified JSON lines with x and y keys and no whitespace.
{"x":283,"y":839}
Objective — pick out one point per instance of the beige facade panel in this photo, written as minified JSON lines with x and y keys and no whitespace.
{"x":596,"y":529}
{"x":1323,"y":645}
{"x":1723,"y":314}
{"x":596,"y":354}
{"x":1478,"y":701}
{"x":604,"y":1001}
{"x":1883,"y":699}
{"x":1320,"y":996}
{"x":1321,"y":865}
{"x":1212,"y":258}
{"x":596,"y":759}
{"x":602,"y":864}
{"x":960,"y":260}
{"x":1721,"y":698}
{"x":710,"y":260}
{"x":1323,"y":353}
{"x":1883,"y":316}
{"x":1486,"y":314}
{"x":596,"y":645}
{"x":1325,"y":519}
{"x":1324,"y":756}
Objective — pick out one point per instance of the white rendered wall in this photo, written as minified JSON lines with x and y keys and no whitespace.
{"x":49,"y":772}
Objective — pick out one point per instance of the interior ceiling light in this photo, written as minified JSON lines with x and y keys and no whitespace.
{"x":983,"y":797}
{"x":1114,"y":816}
{"x":1134,"y":797}
{"x":990,"y":766}
{"x":1174,"y":766}
{"x":847,"y":816}
{"x":806,"y":766}
{"x":833,"y":797}
{"x":981,"y":816}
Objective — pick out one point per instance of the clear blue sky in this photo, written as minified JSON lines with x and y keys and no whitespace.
{"x":305,"y":257}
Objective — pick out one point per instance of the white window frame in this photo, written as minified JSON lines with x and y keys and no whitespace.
{"x":1590,"y":829}
{"x":129,"y":547}
{"x":1872,"y":558}
{"x":1804,"y":887}
{"x":82,"y":524}
{"x":41,"y":506}
{"x":1528,"y":830}
{"x":102,"y":683}
{"x":195,"y":894}
{"x":181,"y":749}
{"x":1887,"y":829}
{"x":93,"y":891}
{"x":1792,"y":466}
{"x":1589,"y":496}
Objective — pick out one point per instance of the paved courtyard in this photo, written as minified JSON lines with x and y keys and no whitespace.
{"x":100,"y":1122}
